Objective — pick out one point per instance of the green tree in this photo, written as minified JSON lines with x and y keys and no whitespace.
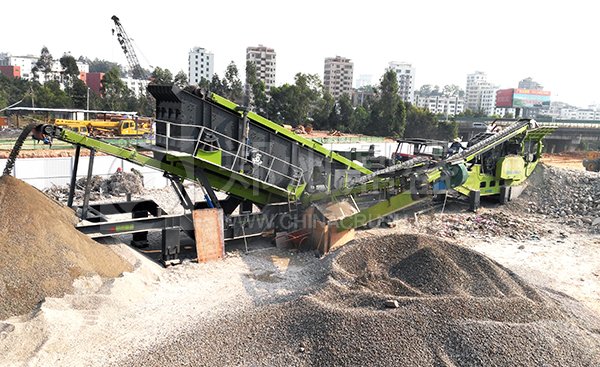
{"x":453,"y":90}
{"x":322,"y":115}
{"x":387,"y":116}
{"x":103,"y":66}
{"x":161,"y":76}
{"x":421,"y":123}
{"x":235,"y":91}
{"x":78,"y":92}
{"x":181,"y":79}
{"x":217,"y":85}
{"x":50,"y":95}
{"x":114,"y":92}
{"x":43,"y":64}
{"x":295,"y":104}
{"x":204,"y":83}
{"x":70,"y":70}
{"x":255,"y":93}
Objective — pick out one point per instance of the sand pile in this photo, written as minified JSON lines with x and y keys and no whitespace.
{"x":41,"y":252}
{"x":456,"y":308}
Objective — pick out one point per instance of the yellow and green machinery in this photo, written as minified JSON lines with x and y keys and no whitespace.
{"x":272,"y":177}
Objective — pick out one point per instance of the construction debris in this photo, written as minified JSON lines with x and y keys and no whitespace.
{"x":569,"y":195}
{"x":118,"y":184}
{"x":41,"y":252}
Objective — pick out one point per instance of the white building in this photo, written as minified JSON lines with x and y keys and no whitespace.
{"x":137,"y":86}
{"x":265,"y":60}
{"x":201,"y":65}
{"x":25,"y":62}
{"x":406,"y":80}
{"x":338,"y":76}
{"x":448,"y":106}
{"x":28,"y":62}
{"x":480,"y":95}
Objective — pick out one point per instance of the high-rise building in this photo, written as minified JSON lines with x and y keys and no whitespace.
{"x":338,"y":76}
{"x":405,"y":73}
{"x":201,"y":65}
{"x":529,"y":83}
{"x":480,"y":95}
{"x":265,"y":60}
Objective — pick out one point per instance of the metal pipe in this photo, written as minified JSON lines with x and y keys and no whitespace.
{"x":74,"y":177}
{"x":86,"y":196}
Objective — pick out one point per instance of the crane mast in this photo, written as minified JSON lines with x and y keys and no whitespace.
{"x":136,"y":69}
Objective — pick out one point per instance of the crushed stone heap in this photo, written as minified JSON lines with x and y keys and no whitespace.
{"x":41,"y":252}
{"x":455,"y":307}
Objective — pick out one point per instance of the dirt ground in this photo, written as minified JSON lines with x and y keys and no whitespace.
{"x":570,"y":160}
{"x":130,"y":318}
{"x":104,"y":323}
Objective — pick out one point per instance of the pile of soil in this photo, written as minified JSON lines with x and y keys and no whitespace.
{"x":455,"y":307}
{"x":41,"y":252}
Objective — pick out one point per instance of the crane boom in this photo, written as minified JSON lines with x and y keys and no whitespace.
{"x":136,"y":69}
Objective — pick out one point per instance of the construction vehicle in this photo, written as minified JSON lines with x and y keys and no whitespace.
{"x":278,"y":181}
{"x":108,"y":128}
{"x":592,"y":162}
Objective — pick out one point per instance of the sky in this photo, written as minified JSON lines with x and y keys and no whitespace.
{"x":554,"y":42}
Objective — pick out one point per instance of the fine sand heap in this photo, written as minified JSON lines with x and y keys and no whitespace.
{"x":456,"y":307}
{"x":41,"y":252}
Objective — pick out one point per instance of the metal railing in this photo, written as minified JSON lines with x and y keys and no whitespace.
{"x":261,"y":161}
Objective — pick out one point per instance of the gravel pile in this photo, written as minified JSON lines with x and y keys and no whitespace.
{"x":41,"y":252}
{"x":571,"y":195}
{"x":450,"y":306}
{"x":118,"y":184}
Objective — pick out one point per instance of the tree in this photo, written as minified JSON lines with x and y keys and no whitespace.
{"x":161,"y":76}
{"x":296,"y":103}
{"x":421,"y":123}
{"x":453,"y":90}
{"x":255,"y":92}
{"x":217,"y":85}
{"x":78,"y":92}
{"x":181,"y":79}
{"x":114,"y":92}
{"x":387,"y":114}
{"x":50,"y":95}
{"x":104,"y":66}
{"x":233,"y":84}
{"x":322,"y":115}
{"x":43,"y":64}
{"x":70,"y":70}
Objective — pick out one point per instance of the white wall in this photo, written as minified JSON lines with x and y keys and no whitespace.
{"x":44,"y":172}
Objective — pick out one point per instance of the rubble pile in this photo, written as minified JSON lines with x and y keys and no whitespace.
{"x":569,"y":195}
{"x":118,"y":184}
{"x":484,"y":224}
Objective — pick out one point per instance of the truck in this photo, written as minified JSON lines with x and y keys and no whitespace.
{"x":109,"y":127}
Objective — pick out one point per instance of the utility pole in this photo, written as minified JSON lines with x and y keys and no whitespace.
{"x":87,"y":114}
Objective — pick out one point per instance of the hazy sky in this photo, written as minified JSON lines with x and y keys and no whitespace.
{"x":554,"y":42}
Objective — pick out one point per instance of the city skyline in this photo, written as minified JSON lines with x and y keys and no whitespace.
{"x":443,"y":49}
